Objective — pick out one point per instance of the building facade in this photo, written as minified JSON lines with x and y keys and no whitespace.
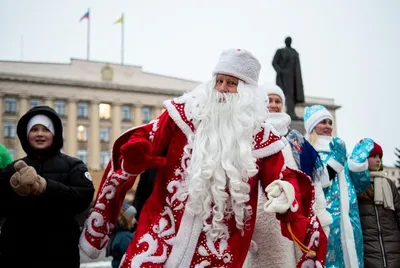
{"x":394,"y":174}
{"x":96,"y":101}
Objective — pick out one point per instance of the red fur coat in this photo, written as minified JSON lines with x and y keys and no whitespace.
{"x":169,"y":236}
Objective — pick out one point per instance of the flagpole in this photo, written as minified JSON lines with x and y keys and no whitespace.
{"x":122,"y":38}
{"x":88,"y":36}
{"x":22,"y":48}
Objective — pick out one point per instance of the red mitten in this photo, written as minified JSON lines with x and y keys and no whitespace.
{"x":137,"y":157}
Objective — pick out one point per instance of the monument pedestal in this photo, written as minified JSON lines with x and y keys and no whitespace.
{"x":298,"y":125}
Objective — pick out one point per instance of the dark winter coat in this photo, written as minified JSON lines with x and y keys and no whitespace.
{"x":381,"y":230}
{"x":41,"y":230}
{"x":118,"y":244}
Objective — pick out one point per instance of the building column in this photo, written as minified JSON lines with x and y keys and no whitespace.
{"x":156,"y":112}
{"x":137,"y":115}
{"x":116,"y":122}
{"x":94,"y":137}
{"x":71,"y":139}
{"x":23,"y":108}
{"x":49,"y":101}
{"x":1,"y":117}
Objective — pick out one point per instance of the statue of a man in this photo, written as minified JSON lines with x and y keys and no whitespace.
{"x":286,"y":63}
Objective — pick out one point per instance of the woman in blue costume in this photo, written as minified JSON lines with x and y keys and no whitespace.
{"x":348,"y":177}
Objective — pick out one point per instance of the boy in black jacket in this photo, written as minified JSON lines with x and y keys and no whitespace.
{"x":40,"y":196}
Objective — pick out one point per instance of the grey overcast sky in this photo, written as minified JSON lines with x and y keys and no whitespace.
{"x":349,"y":50}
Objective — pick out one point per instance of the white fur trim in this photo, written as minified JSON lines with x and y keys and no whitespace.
{"x":322,"y":143}
{"x":347,"y":235}
{"x":185,"y":242}
{"x":276,"y":90}
{"x":239,"y":63}
{"x":269,"y":150}
{"x":88,"y":249}
{"x":174,"y":114}
{"x":280,"y":122}
{"x":280,"y":196}
{"x":357,"y":167}
{"x":335,"y":165}
{"x":253,"y":247}
{"x":289,"y":159}
{"x":315,"y":118}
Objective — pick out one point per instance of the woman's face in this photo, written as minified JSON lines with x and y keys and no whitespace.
{"x":40,"y":137}
{"x":324,"y":128}
{"x":374,"y":163}
{"x":275,"y":104}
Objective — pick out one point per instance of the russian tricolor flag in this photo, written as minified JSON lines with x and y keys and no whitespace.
{"x":85,"y":16}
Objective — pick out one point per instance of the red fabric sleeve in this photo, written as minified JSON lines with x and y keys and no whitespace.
{"x":271,"y":169}
{"x":115,"y":182}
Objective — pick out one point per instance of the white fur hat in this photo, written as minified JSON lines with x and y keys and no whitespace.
{"x":315,"y":114}
{"x":41,"y":120}
{"x":239,"y":63}
{"x":274,"y":89}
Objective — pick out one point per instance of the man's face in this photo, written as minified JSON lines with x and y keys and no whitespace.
{"x":226,"y":83}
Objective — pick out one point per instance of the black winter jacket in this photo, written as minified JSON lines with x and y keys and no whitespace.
{"x":41,"y":231}
{"x":381,"y":230}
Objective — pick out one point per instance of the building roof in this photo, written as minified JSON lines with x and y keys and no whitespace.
{"x":85,"y":73}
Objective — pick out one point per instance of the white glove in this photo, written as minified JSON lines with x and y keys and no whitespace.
{"x":280,"y":196}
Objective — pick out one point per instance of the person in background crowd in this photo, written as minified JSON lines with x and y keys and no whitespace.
{"x":379,"y":209}
{"x":40,"y":195}
{"x":122,"y":234}
{"x":298,"y":154}
{"x":5,"y":156}
{"x":5,"y":159}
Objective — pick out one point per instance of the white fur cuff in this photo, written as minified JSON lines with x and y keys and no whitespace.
{"x":280,"y":195}
{"x":335,"y":165}
{"x":87,"y":248}
{"x":357,"y":167}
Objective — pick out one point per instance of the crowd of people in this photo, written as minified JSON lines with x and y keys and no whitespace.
{"x":224,"y":182}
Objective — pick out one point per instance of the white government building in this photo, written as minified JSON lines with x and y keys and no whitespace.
{"x":97,"y":101}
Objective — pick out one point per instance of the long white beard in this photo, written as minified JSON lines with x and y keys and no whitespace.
{"x":222,"y":161}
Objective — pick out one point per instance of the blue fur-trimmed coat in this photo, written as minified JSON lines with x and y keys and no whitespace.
{"x":350,"y":179}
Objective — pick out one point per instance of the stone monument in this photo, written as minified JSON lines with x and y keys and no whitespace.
{"x":286,"y":63}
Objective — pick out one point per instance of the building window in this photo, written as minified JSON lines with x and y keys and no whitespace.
{"x":393,"y":173}
{"x":126,"y":113}
{"x":104,"y":134}
{"x":35,"y":102}
{"x":82,"y":155}
{"x":82,"y":133}
{"x":10,"y":105}
{"x":9,"y":130}
{"x":104,"y":111}
{"x":104,"y":159}
{"x":59,"y":107}
{"x":83,"y":109}
{"x":146,"y":115}
{"x":11,"y":152}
